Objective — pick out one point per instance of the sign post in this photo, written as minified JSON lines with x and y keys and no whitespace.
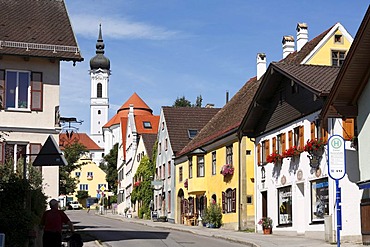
{"x":337,"y":170}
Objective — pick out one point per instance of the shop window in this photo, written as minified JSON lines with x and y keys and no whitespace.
{"x":285,"y":205}
{"x":319,"y":199}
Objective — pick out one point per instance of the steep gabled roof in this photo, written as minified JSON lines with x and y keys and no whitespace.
{"x":353,"y":76}
{"x":37,"y":28}
{"x":316,"y":78}
{"x":81,"y":138}
{"x":179,"y":120}
{"x":149,"y":141}
{"x":227,"y":120}
{"x":141,"y":119}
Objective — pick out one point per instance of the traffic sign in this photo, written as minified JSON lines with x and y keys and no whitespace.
{"x":336,"y":157}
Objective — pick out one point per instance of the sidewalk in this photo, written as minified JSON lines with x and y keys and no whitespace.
{"x":249,"y":239}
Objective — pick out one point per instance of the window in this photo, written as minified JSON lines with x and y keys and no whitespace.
{"x":200,"y":166}
{"x":190,"y":167}
{"x":102,"y":185}
{"x":229,"y":201}
{"x":192,"y":133}
{"x":338,"y":38}
{"x":17,"y":86}
{"x":265,"y":150}
{"x":160,"y":172}
{"x":180,"y":174}
{"x":99,"y":112}
{"x":78,"y":174}
{"x":15,"y":153}
{"x":280,"y":143}
{"x":169,"y":168}
{"x":84,"y":187}
{"x":295,"y":88}
{"x":298,"y":137}
{"x":99,"y":90}
{"x":147,"y":125}
{"x":162,"y":125}
{"x":285,"y":205}
{"x":319,"y":199}
{"x":169,"y":201}
{"x":249,"y":199}
{"x":159,"y":148}
{"x":214,"y":163}
{"x":229,"y":155}
{"x":164,"y":171}
{"x":337,"y":58}
{"x":90,"y":174}
{"x":166,"y":144}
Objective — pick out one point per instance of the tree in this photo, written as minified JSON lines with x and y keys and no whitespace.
{"x":198,"y":102}
{"x":72,"y":153}
{"x":182,"y":102}
{"x":110,"y":168}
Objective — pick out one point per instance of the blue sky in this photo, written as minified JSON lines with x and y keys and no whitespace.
{"x":172,"y":48}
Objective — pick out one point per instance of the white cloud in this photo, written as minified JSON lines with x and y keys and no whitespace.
{"x":119,"y":28}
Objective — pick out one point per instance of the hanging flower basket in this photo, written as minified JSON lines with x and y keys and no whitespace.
{"x":186,"y":183}
{"x":227,"y":170}
{"x":274,"y":158}
{"x":315,"y":147}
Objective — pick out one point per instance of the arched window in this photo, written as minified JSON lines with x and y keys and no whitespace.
{"x":99,"y":112}
{"x":99,"y":90}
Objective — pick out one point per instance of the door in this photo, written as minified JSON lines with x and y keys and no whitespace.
{"x":264,"y":203}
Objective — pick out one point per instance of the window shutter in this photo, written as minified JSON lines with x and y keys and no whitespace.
{"x":34,"y":149}
{"x":223,"y":202}
{"x":36,"y":91}
{"x":2,"y":88}
{"x":267,"y":147}
{"x":348,"y":128}
{"x":2,"y":146}
{"x":259,"y":154}
{"x":283,"y":141}
{"x":301,"y":137}
{"x":233,"y":200}
{"x":313,"y":127}
{"x":290,"y":138}
{"x":274,"y":144}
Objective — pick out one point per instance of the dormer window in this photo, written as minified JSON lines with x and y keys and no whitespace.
{"x":147,"y":125}
{"x":192,"y":133}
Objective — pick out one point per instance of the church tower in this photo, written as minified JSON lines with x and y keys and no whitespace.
{"x":99,"y":101}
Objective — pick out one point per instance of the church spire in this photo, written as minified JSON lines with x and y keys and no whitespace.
{"x":99,"y":61}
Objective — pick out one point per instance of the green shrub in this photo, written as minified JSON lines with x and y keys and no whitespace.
{"x":213,"y":215}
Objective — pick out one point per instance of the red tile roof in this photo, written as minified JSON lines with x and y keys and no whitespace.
{"x":81,"y":138}
{"x":139,"y":122}
{"x":140,"y":108}
{"x":37,"y":28}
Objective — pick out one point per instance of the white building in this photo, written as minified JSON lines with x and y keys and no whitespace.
{"x":31,"y":52}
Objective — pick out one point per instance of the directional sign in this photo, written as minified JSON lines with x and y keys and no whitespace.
{"x":336,"y":157}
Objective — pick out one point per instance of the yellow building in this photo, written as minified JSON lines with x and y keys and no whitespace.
{"x":91,"y":179}
{"x":216,"y":166}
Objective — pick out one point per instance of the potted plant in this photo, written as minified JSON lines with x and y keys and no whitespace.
{"x":213,"y":216}
{"x":274,"y":158}
{"x":266,"y":223}
{"x":227,"y":169}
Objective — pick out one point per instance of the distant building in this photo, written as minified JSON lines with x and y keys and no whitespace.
{"x":31,"y":52}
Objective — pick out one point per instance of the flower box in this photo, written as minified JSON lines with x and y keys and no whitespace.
{"x":293,"y":151}
{"x":227,"y":170}
{"x":274,"y":158}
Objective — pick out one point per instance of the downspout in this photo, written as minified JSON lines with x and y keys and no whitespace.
{"x":240,"y":138}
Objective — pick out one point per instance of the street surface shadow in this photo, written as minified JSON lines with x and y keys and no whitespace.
{"x":117,"y":235}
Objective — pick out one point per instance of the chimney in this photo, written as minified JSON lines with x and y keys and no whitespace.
{"x":261,"y":65}
{"x":288,"y":45}
{"x":209,"y":105}
{"x":302,"y":35}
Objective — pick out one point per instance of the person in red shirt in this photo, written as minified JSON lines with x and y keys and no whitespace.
{"x":52,"y":221}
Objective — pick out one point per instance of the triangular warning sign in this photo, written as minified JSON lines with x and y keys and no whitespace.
{"x":50,"y":154}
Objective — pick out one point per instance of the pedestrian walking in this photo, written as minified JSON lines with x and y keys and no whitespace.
{"x":52,"y":222}
{"x":88,"y":206}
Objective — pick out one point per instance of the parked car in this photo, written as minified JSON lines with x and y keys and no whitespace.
{"x":74,"y":205}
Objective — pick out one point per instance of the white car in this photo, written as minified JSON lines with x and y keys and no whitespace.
{"x":74,"y":205}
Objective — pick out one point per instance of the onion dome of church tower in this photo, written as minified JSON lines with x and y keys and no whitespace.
{"x":99,"y":61}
